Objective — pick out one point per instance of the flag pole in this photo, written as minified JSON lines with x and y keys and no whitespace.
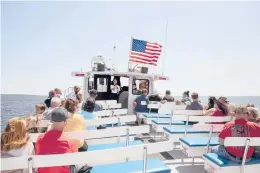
{"x":131,"y":42}
{"x":165,"y":42}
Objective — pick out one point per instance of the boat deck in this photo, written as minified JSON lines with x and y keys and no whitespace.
{"x":176,"y":160}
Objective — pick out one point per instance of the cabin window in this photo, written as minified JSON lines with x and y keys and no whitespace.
{"x":139,"y":85}
{"x":90,"y":83}
{"x":102,"y":84}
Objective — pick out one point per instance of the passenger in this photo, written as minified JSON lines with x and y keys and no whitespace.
{"x":48,"y":100}
{"x":33,"y":124}
{"x":15,"y":142}
{"x":186,"y":98}
{"x":211,"y":102}
{"x":250,"y":105}
{"x":195,"y":104}
{"x":55,"y":102}
{"x":220,"y":109}
{"x":240,"y":127}
{"x":177,"y":102}
{"x":224,"y":99}
{"x":58,"y":92}
{"x":93,"y":95}
{"x":55,"y":141}
{"x":115,"y":89}
{"x":252,"y":114}
{"x":154,"y":97}
{"x":140,"y":105}
{"x":78,"y":94}
{"x":123,"y":97}
{"x":75,"y":122}
{"x":89,"y":107}
{"x":40,"y":108}
{"x":231,"y":108}
{"x":168,"y":96}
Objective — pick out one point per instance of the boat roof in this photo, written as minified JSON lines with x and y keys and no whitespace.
{"x":122,"y":74}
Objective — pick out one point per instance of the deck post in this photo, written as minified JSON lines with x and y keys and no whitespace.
{"x":30,"y":167}
{"x":186,"y":125}
{"x":171,"y":118}
{"x":145,"y":159}
{"x":210,"y":135}
{"x":127,"y":137}
{"x":244,"y":156}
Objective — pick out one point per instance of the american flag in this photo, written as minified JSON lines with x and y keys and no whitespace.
{"x":145,"y":52}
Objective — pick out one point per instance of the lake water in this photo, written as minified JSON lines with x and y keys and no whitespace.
{"x":21,"y":105}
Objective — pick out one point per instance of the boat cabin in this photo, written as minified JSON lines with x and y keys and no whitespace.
{"x":131,"y":85}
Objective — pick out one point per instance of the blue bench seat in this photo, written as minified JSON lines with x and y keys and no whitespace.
{"x":154,"y":165}
{"x":115,"y":125}
{"x":220,"y":161}
{"x":180,"y":130}
{"x":166,"y":122}
{"x":91,"y":128}
{"x":113,"y":145}
{"x":155,"y":115}
{"x":199,"y":141}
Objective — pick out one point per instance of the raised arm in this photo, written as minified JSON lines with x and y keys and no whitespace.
{"x":209,"y":112}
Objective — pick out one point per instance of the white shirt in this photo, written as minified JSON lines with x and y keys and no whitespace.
{"x":26,"y":150}
{"x":115,"y":89}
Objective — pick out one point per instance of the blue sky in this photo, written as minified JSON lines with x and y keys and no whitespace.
{"x":212,"y":47}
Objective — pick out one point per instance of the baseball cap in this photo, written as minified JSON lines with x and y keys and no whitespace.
{"x":59,"y":115}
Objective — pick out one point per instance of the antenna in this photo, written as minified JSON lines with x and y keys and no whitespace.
{"x":165,"y":42}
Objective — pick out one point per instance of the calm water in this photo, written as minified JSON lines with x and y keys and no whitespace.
{"x":20,"y":105}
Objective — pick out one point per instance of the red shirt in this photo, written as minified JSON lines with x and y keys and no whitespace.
{"x":218,"y":113}
{"x":54,"y":142}
{"x":240,"y":128}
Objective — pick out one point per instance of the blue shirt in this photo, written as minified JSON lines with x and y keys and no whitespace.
{"x":97,"y":108}
{"x":140,"y":107}
{"x":87,"y":115}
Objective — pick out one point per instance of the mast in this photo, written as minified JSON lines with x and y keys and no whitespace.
{"x":165,"y":42}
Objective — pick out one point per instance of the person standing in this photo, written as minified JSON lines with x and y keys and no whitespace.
{"x":140,"y":104}
{"x":115,"y":89}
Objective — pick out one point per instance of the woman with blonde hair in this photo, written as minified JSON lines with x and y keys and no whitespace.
{"x":252,"y":115}
{"x":15,"y":141}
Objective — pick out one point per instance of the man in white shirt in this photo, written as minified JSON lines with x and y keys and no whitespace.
{"x":55,"y":102}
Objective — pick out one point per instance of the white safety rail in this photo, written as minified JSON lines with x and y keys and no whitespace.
{"x":199,"y":119}
{"x":110,"y":120}
{"x":110,"y":113}
{"x":166,"y":108}
{"x":246,"y":142}
{"x":109,"y":102}
{"x":112,"y":106}
{"x":138,"y":152}
{"x":198,"y":151}
{"x":102,"y":133}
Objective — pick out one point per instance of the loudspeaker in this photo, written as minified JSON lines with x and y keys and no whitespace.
{"x":144,"y":70}
{"x":101,"y":67}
